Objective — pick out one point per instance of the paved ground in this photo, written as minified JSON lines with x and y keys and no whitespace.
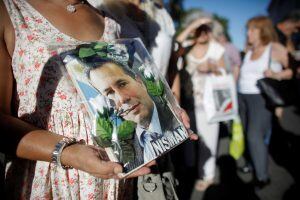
{"x":232,"y":184}
{"x":1,"y":175}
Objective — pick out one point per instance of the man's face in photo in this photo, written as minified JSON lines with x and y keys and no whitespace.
{"x":129,"y":95}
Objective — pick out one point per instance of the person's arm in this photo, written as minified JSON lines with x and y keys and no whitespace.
{"x":176,"y":87}
{"x":221,"y":62}
{"x":236,"y":73}
{"x":280,"y":54}
{"x":237,"y":62}
{"x":29,"y":142}
{"x":220,"y":65}
{"x":285,"y":74}
{"x":214,"y":66}
{"x":191,"y":28}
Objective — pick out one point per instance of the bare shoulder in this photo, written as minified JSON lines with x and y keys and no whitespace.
{"x":6,"y":49}
{"x":2,"y":16}
{"x":6,"y":29}
{"x":277,"y":47}
{"x":280,"y":53}
{"x":3,"y":23}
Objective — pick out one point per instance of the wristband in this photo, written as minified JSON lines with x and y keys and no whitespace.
{"x":59,"y":147}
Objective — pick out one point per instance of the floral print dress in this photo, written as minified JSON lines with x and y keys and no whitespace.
{"x":46,"y":98}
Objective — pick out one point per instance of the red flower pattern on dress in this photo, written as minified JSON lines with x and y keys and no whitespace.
{"x":39,"y":21}
{"x":71,"y":181}
{"x":21,"y":52}
{"x":56,"y":181}
{"x":30,"y":37}
{"x":41,"y":50}
{"x":21,"y":93}
{"x":27,"y":81}
{"x":53,"y":53}
{"x":24,"y":26}
{"x":59,"y":39}
{"x":62,"y":96}
{"x":35,"y":185}
{"x":41,"y":172}
{"x":37,"y":65}
{"x":91,"y":196}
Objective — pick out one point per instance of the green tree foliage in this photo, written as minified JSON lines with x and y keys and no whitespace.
{"x":179,"y":15}
{"x":225,"y":23}
{"x":176,"y":9}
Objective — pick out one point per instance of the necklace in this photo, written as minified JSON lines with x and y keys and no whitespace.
{"x":71,"y":7}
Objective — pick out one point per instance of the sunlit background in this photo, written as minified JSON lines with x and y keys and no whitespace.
{"x":236,"y":12}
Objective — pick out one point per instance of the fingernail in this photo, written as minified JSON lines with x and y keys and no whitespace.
{"x":121,"y":175}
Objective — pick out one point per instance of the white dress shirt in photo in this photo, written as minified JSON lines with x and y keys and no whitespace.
{"x":145,"y":136}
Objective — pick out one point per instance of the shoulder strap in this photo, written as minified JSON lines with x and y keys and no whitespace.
{"x":270,"y":57}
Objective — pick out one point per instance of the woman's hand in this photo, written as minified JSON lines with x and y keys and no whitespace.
{"x":210,"y":66}
{"x":198,"y":22}
{"x":186,"y":122}
{"x":95,"y":161}
{"x":191,"y":28}
{"x":213,"y":66}
{"x":203,"y":67}
{"x":270,"y":74}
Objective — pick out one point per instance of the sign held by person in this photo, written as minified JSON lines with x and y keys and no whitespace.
{"x":129,"y":102}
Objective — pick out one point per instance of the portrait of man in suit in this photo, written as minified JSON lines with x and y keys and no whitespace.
{"x":132,"y":102}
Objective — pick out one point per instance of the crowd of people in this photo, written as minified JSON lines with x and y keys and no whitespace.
{"x":38,"y":124}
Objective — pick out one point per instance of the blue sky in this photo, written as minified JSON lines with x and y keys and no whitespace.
{"x":236,"y":11}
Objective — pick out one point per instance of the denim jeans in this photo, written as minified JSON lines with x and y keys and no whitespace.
{"x":256,"y":120}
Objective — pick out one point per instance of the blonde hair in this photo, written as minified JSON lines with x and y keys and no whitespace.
{"x":266,"y":28}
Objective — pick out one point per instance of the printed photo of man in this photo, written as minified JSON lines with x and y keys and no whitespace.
{"x":132,"y":102}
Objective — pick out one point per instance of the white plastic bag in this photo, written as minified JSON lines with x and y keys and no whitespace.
{"x":220,"y":98}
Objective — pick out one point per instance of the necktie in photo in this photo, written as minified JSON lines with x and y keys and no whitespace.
{"x":146,"y":138}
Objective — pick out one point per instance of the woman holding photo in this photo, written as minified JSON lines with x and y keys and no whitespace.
{"x":42,"y":121}
{"x":41,"y":117}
